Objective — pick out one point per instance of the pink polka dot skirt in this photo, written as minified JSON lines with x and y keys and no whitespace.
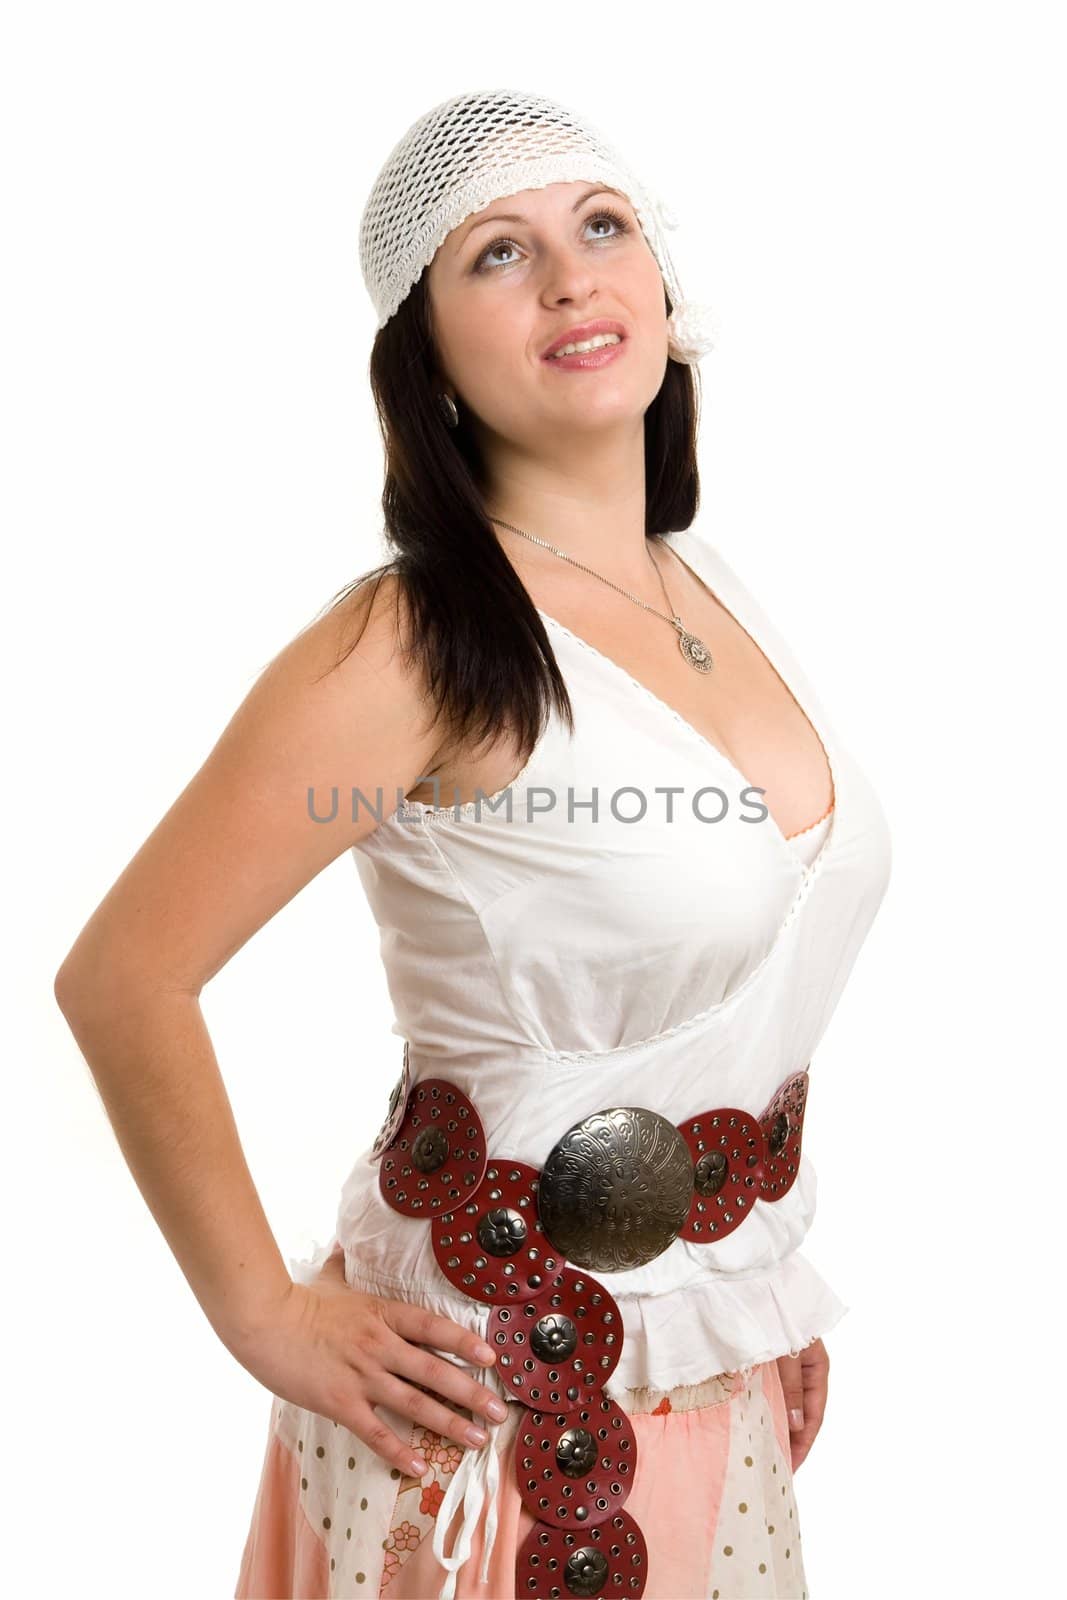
{"x":712,"y":1492}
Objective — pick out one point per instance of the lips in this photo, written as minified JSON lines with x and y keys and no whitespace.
{"x":584,"y":330}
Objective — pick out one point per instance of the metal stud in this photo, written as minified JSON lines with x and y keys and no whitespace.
{"x":429,"y":1151}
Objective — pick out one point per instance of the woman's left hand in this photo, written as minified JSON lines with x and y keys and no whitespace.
{"x":804,"y":1381}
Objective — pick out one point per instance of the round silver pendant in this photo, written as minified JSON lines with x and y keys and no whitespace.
{"x":695,"y":651}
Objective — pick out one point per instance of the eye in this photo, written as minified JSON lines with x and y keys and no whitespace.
{"x":615,"y":217}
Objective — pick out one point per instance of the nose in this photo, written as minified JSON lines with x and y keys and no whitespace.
{"x":569,"y":278}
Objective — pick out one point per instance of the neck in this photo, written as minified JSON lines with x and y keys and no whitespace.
{"x":595,"y":514}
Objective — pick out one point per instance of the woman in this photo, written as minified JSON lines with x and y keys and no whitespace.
{"x":611,"y":961}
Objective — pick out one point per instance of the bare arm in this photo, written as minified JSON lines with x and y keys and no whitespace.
{"x":235,"y":847}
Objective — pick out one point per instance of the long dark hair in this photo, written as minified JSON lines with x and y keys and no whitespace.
{"x":483,"y":652}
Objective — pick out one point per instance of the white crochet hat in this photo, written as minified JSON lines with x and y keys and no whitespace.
{"x":478,"y":147}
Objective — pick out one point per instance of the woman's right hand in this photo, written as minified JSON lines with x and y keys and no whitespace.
{"x":336,"y":1351}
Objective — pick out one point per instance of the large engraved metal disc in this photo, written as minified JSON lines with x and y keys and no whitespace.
{"x":557,"y":1350}
{"x":395,"y":1113}
{"x":493,"y":1246}
{"x":783,"y":1129}
{"x":727,"y":1150}
{"x":610,"y":1559}
{"x":616,"y":1189}
{"x":437,"y":1157}
{"x":574,"y":1468}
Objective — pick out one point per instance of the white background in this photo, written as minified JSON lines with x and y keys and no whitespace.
{"x":872,"y":199}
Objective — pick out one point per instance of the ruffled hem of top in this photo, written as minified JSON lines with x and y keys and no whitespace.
{"x":706,"y":1326}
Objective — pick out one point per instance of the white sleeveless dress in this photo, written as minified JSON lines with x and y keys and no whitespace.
{"x":606,"y":943}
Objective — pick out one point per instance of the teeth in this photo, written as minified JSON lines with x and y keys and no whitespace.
{"x":586,"y":344}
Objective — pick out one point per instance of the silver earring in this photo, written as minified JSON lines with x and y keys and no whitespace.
{"x":448,"y":406}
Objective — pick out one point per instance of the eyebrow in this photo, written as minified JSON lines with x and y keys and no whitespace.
{"x":511,"y":216}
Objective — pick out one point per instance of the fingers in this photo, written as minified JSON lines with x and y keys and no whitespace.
{"x":793,"y":1390}
{"x":386,"y":1345}
{"x":366,"y":1424}
{"x":429,"y":1412}
{"x":815,"y":1374}
{"x":419,"y":1325}
{"x":405,"y":1332}
{"x":804,"y":1387}
{"x":442,"y":1378}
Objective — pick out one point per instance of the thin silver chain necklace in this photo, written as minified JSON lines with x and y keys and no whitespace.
{"x":693,"y":649}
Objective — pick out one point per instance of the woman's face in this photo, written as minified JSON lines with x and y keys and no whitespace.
{"x":502,"y":290}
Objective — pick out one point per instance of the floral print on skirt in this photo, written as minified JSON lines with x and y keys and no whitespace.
{"x":712,"y":1494}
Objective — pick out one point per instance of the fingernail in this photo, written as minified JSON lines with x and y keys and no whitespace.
{"x":418,"y":1467}
{"x":497,"y":1408}
{"x":796,"y":1418}
{"x":484,"y":1353}
{"x":477,"y":1435}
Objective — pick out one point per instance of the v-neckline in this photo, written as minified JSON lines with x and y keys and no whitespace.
{"x":805,"y":870}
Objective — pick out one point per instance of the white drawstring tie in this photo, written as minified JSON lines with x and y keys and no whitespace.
{"x":477,"y":1475}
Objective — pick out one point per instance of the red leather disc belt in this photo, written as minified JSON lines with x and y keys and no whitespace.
{"x":615,"y":1191}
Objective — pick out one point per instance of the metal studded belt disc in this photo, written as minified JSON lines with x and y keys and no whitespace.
{"x":582,"y":1473}
{"x":494,"y":1246}
{"x":437,"y":1156}
{"x":611,"y":1558}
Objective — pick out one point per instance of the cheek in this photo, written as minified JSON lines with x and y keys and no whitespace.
{"x":486,"y":341}
{"x":650,"y":291}
{"x":489,"y":347}
{"x":471,"y":334}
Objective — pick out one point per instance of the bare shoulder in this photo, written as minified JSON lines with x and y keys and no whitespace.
{"x":358,"y":690}
{"x":365,"y":642}
{"x":339,"y":709}
{"x":374,"y":619}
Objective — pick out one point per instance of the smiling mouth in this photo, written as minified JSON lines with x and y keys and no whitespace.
{"x":591,"y":356}
{"x":598,"y":341}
